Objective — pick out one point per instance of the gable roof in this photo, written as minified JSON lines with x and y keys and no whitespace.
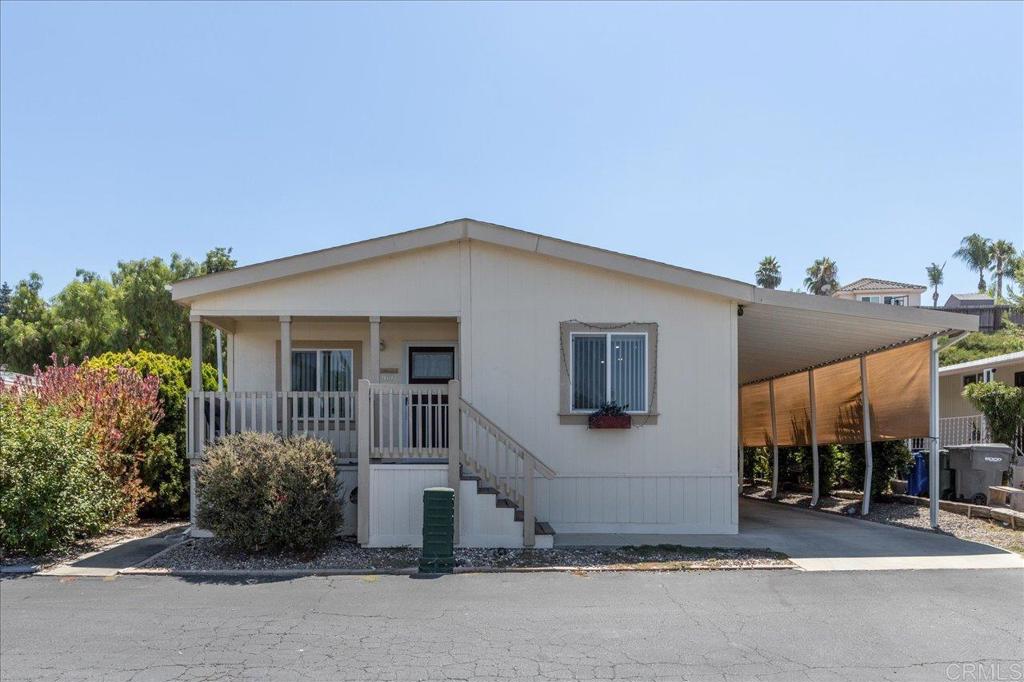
{"x":454,"y":231}
{"x":873,"y":284}
{"x":971,"y":297}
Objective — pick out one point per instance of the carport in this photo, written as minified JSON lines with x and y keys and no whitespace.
{"x":816,"y":370}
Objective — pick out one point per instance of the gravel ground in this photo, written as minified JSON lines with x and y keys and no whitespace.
{"x":211,"y":554}
{"x":907,"y":515}
{"x":116,"y":535}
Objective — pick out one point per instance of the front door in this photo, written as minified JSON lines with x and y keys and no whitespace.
{"x":430,"y":365}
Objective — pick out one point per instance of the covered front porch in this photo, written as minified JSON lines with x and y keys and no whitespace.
{"x":385,"y":392}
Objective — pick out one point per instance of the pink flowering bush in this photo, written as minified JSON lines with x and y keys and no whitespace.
{"x":121,"y":408}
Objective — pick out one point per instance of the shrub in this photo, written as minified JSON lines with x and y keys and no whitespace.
{"x":1002,"y":405}
{"x":888,"y":458}
{"x":164,"y":467}
{"x":53,"y":488}
{"x":122,"y":410}
{"x":259,"y":492}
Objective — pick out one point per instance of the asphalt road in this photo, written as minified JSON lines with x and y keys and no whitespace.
{"x":784,"y":625}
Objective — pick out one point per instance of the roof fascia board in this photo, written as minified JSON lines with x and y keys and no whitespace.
{"x":186,"y":290}
{"x":994,"y":361}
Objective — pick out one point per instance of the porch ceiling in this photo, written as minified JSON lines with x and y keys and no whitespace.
{"x":783,"y":332}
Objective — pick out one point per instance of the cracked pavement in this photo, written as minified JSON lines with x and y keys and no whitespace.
{"x":750,"y":625}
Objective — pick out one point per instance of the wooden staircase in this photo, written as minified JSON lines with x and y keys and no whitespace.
{"x":543,"y":532}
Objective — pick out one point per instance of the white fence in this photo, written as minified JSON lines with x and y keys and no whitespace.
{"x":320,"y":414}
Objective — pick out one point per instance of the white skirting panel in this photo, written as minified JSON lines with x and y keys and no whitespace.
{"x":396,"y":502}
{"x":632,"y":503}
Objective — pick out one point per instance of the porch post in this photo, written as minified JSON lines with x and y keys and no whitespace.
{"x":373,"y":371}
{"x":739,"y":436}
{"x":363,"y":467}
{"x":775,"y":441}
{"x":933,"y":434}
{"x":196,"y":322}
{"x":815,"y":486}
{"x":866,"y":406}
{"x":286,"y":371}
{"x":196,"y":430}
{"x":455,"y":446}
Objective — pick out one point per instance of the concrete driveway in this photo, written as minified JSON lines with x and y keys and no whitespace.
{"x":818,"y":541}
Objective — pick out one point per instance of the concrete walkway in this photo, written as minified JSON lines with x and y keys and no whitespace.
{"x":818,"y":541}
{"x":109,"y":561}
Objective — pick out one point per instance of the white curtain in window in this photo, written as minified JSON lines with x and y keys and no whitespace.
{"x":628,"y":370}
{"x":589,"y":372}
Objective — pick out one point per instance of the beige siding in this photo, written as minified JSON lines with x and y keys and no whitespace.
{"x":675,"y":475}
{"x":951,"y":386}
{"x":517,"y":303}
{"x":424,"y":282}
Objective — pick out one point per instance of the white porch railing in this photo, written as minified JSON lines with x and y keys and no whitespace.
{"x":329,"y":415}
{"x":409,"y":421}
{"x":965,"y":430}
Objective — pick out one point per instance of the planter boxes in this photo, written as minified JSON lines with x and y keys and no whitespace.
{"x":608,"y":421}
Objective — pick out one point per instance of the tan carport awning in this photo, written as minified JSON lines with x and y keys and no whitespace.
{"x":782,"y":335}
{"x":783,"y":332}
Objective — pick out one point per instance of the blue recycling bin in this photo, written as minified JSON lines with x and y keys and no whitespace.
{"x":917,"y":482}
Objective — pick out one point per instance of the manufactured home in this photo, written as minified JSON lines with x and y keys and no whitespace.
{"x":473,"y":355}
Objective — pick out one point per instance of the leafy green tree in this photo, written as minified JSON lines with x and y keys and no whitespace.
{"x":5,"y":297}
{"x":25,"y":329}
{"x":822,"y":277}
{"x":769,"y":274}
{"x":150,"y":319}
{"x":935,"y":276}
{"x":1002,"y":405}
{"x":85,"y":317}
{"x":218,"y":259}
{"x":976,"y":252}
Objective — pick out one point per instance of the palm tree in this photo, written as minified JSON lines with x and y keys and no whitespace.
{"x":976,"y":251}
{"x":769,"y":274}
{"x":822,"y":277}
{"x":934,"y":280}
{"x":1003,"y":254}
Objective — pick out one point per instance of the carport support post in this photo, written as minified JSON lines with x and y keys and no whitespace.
{"x":814,"y":440}
{"x":868,"y":464}
{"x":933,"y":434}
{"x":775,"y":441}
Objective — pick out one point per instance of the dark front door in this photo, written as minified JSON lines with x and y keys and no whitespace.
{"x":430,"y":365}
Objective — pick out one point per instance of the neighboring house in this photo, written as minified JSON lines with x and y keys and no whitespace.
{"x":990,"y":315}
{"x":871,"y":290}
{"x":969,"y":301}
{"x":471,"y":355}
{"x":961,"y":423}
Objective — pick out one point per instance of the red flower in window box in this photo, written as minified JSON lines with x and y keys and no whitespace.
{"x":610,"y":416}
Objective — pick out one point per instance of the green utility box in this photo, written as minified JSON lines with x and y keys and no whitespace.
{"x":438,"y":531}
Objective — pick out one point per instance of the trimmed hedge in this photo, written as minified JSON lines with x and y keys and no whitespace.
{"x":53,"y":489}
{"x":164,"y":467}
{"x":259,"y":492}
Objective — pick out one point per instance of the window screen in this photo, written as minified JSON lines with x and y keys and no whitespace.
{"x":609,"y":368}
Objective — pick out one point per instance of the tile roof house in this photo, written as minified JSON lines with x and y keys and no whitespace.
{"x":873,"y":290}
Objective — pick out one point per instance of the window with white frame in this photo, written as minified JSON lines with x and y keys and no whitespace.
{"x":322,"y":369}
{"x":608,"y":367}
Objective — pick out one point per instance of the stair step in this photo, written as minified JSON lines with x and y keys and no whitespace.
{"x":504,"y":504}
{"x":486,"y":491}
{"x":543,"y":528}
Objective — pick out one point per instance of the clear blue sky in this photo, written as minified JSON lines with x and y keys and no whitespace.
{"x":705,"y":135}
